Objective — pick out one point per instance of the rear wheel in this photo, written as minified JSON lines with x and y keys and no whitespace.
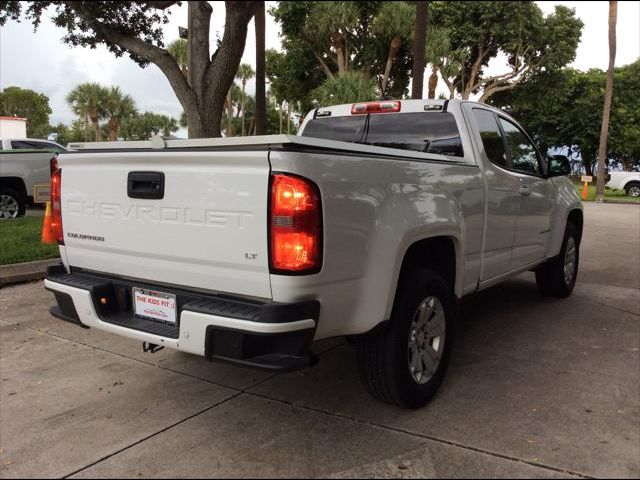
{"x":633,"y":189}
{"x":405,"y":364}
{"x":557,"y":276}
{"x":12,"y":203}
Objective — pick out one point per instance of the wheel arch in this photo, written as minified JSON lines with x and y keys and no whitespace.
{"x":16,"y":183}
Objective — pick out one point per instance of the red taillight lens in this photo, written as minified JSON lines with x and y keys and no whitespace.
{"x":375,"y":107}
{"x":55,"y":223}
{"x":53,"y":164}
{"x":295,"y":225}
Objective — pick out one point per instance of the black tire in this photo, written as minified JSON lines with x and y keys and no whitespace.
{"x":550,"y":276}
{"x":383,"y":357}
{"x":632,"y":189}
{"x":12,"y":195}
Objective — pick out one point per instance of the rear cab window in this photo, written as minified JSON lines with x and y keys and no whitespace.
{"x":426,"y":132}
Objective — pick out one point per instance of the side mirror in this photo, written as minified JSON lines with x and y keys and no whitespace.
{"x":558,"y":165}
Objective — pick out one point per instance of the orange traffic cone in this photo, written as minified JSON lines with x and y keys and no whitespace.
{"x":48,"y":234}
{"x":585,"y":191}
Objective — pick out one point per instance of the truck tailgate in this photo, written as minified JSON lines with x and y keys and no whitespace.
{"x":208,"y":231}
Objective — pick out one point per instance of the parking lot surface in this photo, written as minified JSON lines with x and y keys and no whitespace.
{"x":538,"y":387}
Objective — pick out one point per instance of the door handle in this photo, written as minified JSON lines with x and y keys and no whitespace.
{"x":147,"y":185}
{"x":524,"y":190}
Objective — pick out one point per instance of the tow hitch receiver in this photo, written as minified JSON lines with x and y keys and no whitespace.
{"x":151,"y":347}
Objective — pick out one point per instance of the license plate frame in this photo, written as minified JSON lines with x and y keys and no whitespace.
{"x":154,"y":305}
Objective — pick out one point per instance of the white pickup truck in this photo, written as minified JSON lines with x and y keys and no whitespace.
{"x":24,"y":163}
{"x":627,"y":181}
{"x":372,"y":223}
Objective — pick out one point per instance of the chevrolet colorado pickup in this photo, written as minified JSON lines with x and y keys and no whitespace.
{"x":24,"y":163}
{"x":372,"y":223}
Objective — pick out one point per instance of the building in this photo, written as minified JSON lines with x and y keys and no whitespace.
{"x":13,"y":127}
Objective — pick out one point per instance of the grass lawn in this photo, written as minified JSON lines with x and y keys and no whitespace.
{"x":611,"y":196}
{"x":20,"y":241}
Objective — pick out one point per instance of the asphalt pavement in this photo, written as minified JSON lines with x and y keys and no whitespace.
{"x":538,"y":387}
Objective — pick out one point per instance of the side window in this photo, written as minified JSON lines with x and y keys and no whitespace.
{"x":491,"y":137}
{"x":524,"y":157}
{"x":44,"y":146}
{"x":22,"y":145}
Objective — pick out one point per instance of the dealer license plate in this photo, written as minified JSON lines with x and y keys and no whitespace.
{"x":154,"y":305}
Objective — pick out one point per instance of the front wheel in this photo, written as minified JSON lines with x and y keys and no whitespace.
{"x":633,"y":189}
{"x":557,"y":277}
{"x":405,"y":364}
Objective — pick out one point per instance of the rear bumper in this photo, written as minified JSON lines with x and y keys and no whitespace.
{"x":274,"y":336}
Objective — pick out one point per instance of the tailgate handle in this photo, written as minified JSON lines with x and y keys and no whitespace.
{"x":148,"y":185}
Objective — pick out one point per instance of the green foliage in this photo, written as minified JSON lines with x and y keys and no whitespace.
{"x":178,"y":50}
{"x":245,"y":72}
{"x":518,"y":30}
{"x":564,"y":109}
{"x":348,"y":88}
{"x":64,"y":135}
{"x":33,"y":106}
{"x":117,"y":107}
{"x":312,"y":31}
{"x":144,"y":126}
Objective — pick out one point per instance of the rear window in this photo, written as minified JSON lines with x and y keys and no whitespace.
{"x":427,"y":132}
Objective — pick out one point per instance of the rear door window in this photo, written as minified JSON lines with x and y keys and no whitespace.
{"x":23,"y":145}
{"x":491,"y":137}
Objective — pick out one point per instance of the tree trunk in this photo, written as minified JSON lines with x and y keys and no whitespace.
{"x":288,"y":118}
{"x":393,"y":51}
{"x":417,"y":72}
{"x":261,"y":106}
{"x":113,"y":129}
{"x":244,"y":85}
{"x":604,"y":130}
{"x":433,"y":82}
{"x":338,"y":45}
{"x":280,"y":115}
{"x":96,"y":126}
{"x":229,"y":115}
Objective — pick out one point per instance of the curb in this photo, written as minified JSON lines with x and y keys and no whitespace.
{"x":25,"y":272}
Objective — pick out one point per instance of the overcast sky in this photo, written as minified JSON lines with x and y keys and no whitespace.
{"x":41,"y":62}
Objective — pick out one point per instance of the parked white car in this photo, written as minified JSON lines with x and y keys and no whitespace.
{"x":24,"y":163}
{"x":627,"y":181}
{"x":372,"y":224}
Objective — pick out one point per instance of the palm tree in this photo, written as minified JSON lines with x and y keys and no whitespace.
{"x":234,"y":97}
{"x":117,"y":107}
{"x":261,"y":105}
{"x":347,"y":88}
{"x":604,"y":130}
{"x":86,"y":100}
{"x":395,"y":22}
{"x":178,"y":50}
{"x":245,"y":72}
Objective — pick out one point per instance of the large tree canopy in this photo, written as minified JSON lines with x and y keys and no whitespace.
{"x":323,"y":41}
{"x":563,"y":109}
{"x":516,"y":31}
{"x":33,"y":106}
{"x":135,"y":28}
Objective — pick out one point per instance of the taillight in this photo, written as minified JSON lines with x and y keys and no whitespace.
{"x":53,"y":164}
{"x":52,"y":227}
{"x":295,"y":225}
{"x":375,"y":107}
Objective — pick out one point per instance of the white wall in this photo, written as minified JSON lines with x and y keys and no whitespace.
{"x":13,"y":127}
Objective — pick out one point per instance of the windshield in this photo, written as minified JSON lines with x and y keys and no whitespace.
{"x":428,"y":132}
